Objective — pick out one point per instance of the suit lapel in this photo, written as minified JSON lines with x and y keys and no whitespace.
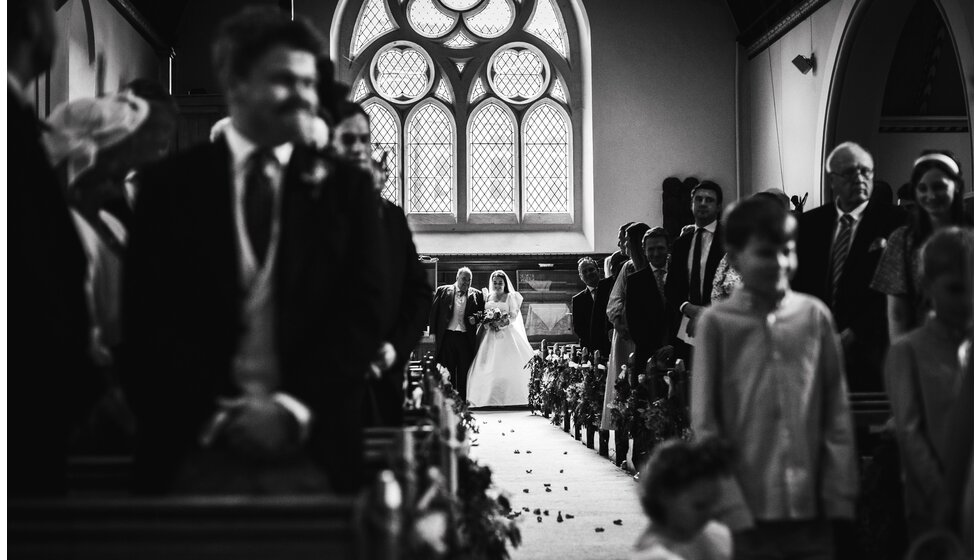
{"x":216,"y":224}
{"x":866,"y":230}
{"x":297,"y":235}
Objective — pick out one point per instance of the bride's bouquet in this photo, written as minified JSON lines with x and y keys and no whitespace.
{"x":493,"y":319}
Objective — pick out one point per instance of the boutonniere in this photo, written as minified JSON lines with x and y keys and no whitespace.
{"x":315,"y":176}
{"x":877,"y":245}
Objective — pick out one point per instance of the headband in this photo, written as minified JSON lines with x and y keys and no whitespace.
{"x":940,"y":158}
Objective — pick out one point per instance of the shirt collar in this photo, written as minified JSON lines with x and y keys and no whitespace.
{"x":710,"y":228}
{"x":242,"y":148}
{"x":856,"y":213}
{"x":654,"y":268}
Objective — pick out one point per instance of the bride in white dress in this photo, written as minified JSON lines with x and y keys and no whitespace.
{"x":498,"y":376}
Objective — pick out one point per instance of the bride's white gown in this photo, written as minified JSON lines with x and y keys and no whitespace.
{"x":498,"y":376}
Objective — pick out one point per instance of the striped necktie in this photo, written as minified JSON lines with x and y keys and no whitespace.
{"x":839,"y":252}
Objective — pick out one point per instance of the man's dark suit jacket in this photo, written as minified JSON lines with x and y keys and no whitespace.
{"x":183,"y":299}
{"x":858,"y":308}
{"x":646,"y":316}
{"x":441,"y":313}
{"x":582,"y":303}
{"x":407,"y":297}
{"x":50,"y":378}
{"x":600,"y":328}
{"x":679,"y":276}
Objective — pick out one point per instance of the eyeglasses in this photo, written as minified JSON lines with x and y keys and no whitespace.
{"x":852,"y":173}
{"x":349,"y":138}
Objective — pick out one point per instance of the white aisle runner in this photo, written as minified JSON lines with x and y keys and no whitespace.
{"x":597,"y":496}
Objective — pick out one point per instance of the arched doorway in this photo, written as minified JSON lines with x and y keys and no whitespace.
{"x":899,"y":87}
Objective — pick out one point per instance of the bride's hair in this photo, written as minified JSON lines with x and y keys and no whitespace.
{"x":502,"y":275}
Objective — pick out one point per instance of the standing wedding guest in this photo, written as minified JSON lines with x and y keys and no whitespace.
{"x":250,"y":313}
{"x":622,"y":344}
{"x":408,"y":292}
{"x":768,"y":377}
{"x":924,"y":377}
{"x":600,"y":330}
{"x":938,"y":184}
{"x":615,"y":261}
{"x":583,"y":302}
{"x":695,"y":257}
{"x":839,"y":247}
{"x":50,"y":378}
{"x":453,"y":321}
{"x":906,"y":196}
{"x":646,"y":315}
{"x":679,"y":488}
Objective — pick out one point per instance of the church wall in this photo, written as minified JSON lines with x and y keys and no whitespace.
{"x":783,"y":114}
{"x":98,"y":52}
{"x":780,"y":124}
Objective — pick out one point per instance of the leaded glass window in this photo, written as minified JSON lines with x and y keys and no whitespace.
{"x":473,"y":105}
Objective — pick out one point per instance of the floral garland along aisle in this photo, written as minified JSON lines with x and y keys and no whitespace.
{"x":567,"y":385}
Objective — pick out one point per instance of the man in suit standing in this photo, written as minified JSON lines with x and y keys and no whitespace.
{"x":408,"y":292}
{"x":452,"y":318}
{"x":696,"y":255}
{"x":583,"y":301}
{"x":646,"y":313}
{"x":839,"y":246}
{"x":251,"y":316}
{"x":50,"y":379}
{"x":600,"y":331}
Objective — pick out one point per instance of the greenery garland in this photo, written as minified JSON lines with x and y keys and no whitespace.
{"x":484,"y":522}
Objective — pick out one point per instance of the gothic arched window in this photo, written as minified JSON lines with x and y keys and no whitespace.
{"x":474,"y":103}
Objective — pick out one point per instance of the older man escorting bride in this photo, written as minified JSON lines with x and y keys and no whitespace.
{"x":498,"y":376}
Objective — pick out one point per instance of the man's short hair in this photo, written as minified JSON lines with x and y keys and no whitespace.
{"x":463,"y":269}
{"x":243,"y":38}
{"x":757,"y":216}
{"x":655,"y":232}
{"x":711,"y":186}
{"x":584,"y":260}
{"x":623,"y":228}
{"x":634,"y":234}
{"x":853,"y":146}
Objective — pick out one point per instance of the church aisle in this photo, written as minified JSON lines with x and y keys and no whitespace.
{"x":598,"y":494}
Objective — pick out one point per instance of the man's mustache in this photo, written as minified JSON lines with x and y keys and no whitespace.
{"x":293,"y":105}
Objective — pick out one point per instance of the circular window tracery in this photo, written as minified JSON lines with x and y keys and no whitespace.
{"x":402,"y":72}
{"x":518,"y":72}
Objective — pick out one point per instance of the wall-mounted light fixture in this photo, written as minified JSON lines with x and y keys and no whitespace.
{"x":805,"y":64}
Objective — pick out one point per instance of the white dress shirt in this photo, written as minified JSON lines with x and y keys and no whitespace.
{"x":457,"y":321}
{"x":256,"y":364}
{"x":707,"y":236}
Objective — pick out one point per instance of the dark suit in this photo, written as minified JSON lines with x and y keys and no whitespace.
{"x":183,"y":306}
{"x":601,"y":327}
{"x":678,"y":283}
{"x":455,"y":351}
{"x":858,"y":307}
{"x":646,"y":318}
{"x":582,"y":303}
{"x":50,"y":378}
{"x":407,"y":296}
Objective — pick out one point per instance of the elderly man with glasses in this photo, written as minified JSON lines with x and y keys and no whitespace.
{"x":839,"y":246}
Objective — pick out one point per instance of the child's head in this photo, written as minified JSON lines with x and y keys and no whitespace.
{"x":945,"y":265}
{"x":760,"y":237}
{"x":680,"y":484}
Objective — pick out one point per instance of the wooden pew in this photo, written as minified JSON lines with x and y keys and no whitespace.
{"x":183,"y":527}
